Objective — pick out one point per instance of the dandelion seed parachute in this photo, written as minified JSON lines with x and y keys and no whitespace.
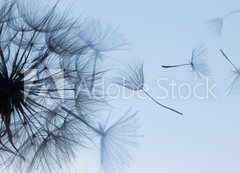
{"x":234,"y":86}
{"x":133,"y":79}
{"x":101,"y":42}
{"x":216,"y":24}
{"x":115,"y":141}
{"x":199,"y":68}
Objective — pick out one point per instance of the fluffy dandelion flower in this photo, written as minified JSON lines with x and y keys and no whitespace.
{"x":45,"y":112}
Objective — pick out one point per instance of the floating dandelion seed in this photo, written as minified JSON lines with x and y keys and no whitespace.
{"x":216,"y":24}
{"x":133,"y":79}
{"x":234,"y":87}
{"x":115,"y":141}
{"x":197,"y":63}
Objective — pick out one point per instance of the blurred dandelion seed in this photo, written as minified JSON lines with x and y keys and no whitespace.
{"x":216,"y":24}
{"x":115,"y":141}
{"x":197,"y":63}
{"x":234,"y":86}
{"x":101,"y":41}
{"x":133,"y":79}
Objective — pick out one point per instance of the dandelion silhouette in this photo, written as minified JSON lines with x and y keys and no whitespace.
{"x":197,"y":63}
{"x":234,"y":87}
{"x":43,"y":118}
{"x":133,"y":79}
{"x":216,"y":24}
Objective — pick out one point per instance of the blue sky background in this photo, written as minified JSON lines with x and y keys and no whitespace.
{"x":207,"y":138}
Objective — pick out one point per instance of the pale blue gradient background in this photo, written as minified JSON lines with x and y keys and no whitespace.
{"x":207,"y":138}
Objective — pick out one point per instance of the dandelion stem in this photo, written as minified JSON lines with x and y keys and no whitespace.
{"x":172,"y":66}
{"x":229,"y":60}
{"x":171,"y":109}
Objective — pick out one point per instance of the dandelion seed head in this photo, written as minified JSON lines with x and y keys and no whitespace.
{"x":47,"y":109}
{"x":43,"y":118}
